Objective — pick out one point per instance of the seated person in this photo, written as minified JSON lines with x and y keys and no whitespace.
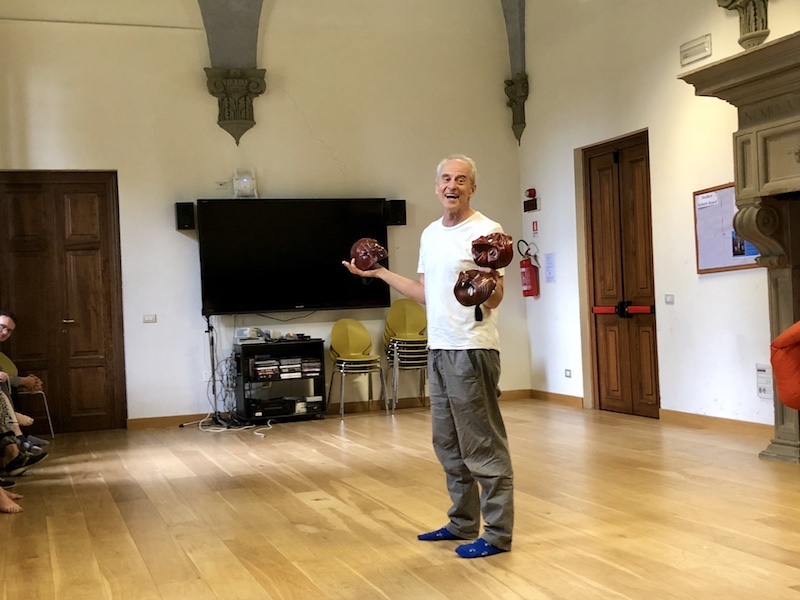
{"x":25,"y":442}
{"x":13,"y":460}
{"x":8,"y":322}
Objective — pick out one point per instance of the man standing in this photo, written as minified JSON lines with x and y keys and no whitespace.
{"x":469,"y":436}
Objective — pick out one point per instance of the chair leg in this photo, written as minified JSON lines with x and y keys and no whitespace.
{"x":341,"y":397}
{"x":389,"y":369}
{"x":47,"y":410}
{"x":384,"y":392}
{"x":395,"y":381}
{"x":330,"y":389}
{"x":369,"y":390}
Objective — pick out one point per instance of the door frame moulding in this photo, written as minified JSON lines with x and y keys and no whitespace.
{"x":583,"y":280}
{"x":584,"y":290}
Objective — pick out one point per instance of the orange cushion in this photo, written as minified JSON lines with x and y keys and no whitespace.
{"x":785,"y":359}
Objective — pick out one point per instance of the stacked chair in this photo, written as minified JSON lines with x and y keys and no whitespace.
{"x":406,"y":340}
{"x":351,"y":353}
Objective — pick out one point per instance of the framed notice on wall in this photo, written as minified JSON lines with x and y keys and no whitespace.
{"x":719,"y":248}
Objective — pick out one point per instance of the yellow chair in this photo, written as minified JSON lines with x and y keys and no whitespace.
{"x":405,"y":338}
{"x":8,"y":366}
{"x":351,"y":353}
{"x":406,"y":320}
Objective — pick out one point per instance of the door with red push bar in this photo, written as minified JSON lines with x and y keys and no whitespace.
{"x":621,"y":287}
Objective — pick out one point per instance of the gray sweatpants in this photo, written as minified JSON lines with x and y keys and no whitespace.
{"x":470,"y":441}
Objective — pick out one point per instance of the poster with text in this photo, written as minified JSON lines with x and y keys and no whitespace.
{"x":719,"y":247}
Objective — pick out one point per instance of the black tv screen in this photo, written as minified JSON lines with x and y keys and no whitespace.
{"x":264,"y":255}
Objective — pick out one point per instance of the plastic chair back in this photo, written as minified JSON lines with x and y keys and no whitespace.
{"x":7,"y":366}
{"x":350,"y":340}
{"x":406,"y":320}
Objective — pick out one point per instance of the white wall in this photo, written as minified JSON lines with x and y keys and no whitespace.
{"x":363,"y":98}
{"x":602,"y":69}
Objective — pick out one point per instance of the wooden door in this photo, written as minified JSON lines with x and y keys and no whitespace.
{"x":622,"y":295}
{"x":60,"y":274}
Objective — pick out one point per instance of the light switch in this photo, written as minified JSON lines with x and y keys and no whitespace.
{"x":149,"y":318}
{"x":669,"y":298}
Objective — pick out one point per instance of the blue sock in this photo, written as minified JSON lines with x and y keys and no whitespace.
{"x":477,"y":549}
{"x":439,"y":535}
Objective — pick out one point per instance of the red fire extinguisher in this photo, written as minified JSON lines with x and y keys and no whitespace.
{"x":528,"y":270}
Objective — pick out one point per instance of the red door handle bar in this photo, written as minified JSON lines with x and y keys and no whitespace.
{"x":640,"y":310}
{"x":624,"y":310}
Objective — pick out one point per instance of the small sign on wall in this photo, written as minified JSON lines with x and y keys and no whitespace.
{"x":764,"y":381}
{"x":550,"y":267}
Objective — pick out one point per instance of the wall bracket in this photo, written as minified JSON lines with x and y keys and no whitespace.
{"x":516,"y":88}
{"x":235,"y":90}
{"x":752,"y":20}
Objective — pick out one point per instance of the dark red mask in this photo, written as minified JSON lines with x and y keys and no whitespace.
{"x":474,"y":287}
{"x":494,"y":250}
{"x":367,"y":252}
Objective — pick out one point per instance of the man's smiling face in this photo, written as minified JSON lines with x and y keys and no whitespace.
{"x":454,"y":185}
{"x":7,"y":325}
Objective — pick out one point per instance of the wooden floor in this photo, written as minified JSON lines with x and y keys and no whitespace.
{"x":607,"y":506}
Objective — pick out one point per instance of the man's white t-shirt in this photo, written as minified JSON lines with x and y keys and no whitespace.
{"x":445,"y":252}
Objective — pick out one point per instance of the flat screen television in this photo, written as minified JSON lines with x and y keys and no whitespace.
{"x":268,"y":255}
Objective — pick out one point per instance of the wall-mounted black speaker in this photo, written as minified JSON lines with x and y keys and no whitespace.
{"x":395,"y":212}
{"x":184,"y":215}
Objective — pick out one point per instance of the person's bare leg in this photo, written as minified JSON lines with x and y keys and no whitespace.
{"x":7,"y":504}
{"x":10,"y":452}
{"x":9,"y":413}
{"x":23,"y":420}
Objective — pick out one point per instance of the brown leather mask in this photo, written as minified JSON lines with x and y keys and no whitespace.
{"x":494,"y":250}
{"x":474,"y":287}
{"x":367,"y":252}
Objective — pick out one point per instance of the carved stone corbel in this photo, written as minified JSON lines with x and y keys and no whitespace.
{"x":235,"y":90}
{"x":517,"y":92}
{"x":752,"y":20}
{"x":760,"y":225}
{"x":516,"y":88}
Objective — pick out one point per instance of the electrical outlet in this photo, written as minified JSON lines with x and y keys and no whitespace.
{"x":567,"y":372}
{"x":206,"y":376}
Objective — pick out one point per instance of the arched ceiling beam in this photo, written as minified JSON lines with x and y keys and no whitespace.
{"x":516,"y":87}
{"x":232,"y":32}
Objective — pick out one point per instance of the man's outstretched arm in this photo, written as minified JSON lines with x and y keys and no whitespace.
{"x":403,"y":285}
